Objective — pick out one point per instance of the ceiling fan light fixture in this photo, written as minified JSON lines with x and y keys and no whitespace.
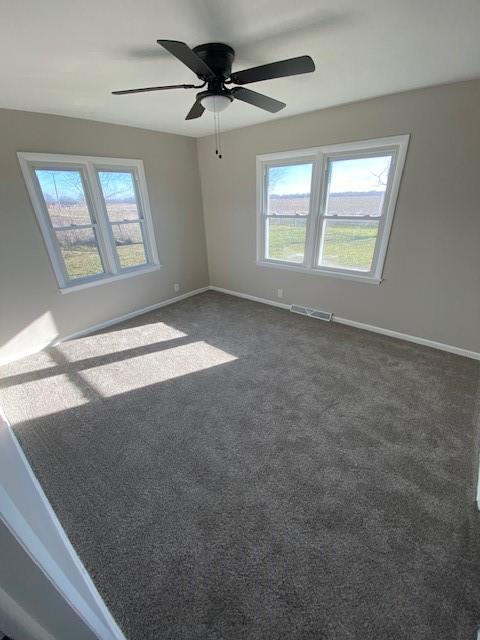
{"x":215,"y":103}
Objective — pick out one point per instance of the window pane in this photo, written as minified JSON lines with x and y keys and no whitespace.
{"x":348,"y":244}
{"x":64,"y":196}
{"x":286,"y":239}
{"x":129,"y":243}
{"x":118,"y":190}
{"x":289,"y":189}
{"x":357,"y":186}
{"x":80,"y":252}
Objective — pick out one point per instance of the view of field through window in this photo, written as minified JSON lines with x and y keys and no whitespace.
{"x":288,"y":197}
{"x":64,"y":196}
{"x":118,"y":189}
{"x":63,"y":192}
{"x":356,"y":189}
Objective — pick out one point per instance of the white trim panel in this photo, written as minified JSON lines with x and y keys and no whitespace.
{"x":319,"y":272}
{"x":112,"y":278}
{"x":27,"y":513}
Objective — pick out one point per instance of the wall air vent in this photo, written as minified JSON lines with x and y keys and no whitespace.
{"x":312,"y":313}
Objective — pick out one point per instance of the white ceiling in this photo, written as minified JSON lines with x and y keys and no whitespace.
{"x":65,"y":57}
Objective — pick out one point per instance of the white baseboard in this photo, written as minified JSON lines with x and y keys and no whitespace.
{"x":281,"y":305}
{"x":366,"y":327}
{"x":237,"y":294}
{"x":459,"y":351}
{"x":101,"y":325}
{"x":132,"y":314}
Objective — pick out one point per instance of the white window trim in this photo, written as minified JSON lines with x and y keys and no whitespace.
{"x":320,"y":155}
{"x":88,"y":166}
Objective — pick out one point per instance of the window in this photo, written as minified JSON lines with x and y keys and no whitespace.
{"x":329,"y":210}
{"x":287,"y":191}
{"x":94,"y":215}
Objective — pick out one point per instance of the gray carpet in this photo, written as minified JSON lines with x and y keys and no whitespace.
{"x":227,"y":470}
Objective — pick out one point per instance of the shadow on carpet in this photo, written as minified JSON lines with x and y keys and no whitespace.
{"x":228,"y":470}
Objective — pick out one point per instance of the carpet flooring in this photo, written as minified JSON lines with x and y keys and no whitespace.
{"x":228,"y":470}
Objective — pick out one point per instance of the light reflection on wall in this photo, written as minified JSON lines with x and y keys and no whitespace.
{"x":38,"y":334}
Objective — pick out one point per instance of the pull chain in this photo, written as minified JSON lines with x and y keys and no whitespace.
{"x":216,"y":124}
{"x":220,"y":154}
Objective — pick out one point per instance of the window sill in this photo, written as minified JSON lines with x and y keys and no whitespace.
{"x":321,"y":272}
{"x":109,"y":278}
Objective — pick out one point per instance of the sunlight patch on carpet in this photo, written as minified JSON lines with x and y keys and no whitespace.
{"x":115,"y":378}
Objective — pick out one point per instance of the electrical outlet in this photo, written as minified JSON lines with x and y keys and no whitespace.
{"x":176,"y":288}
{"x":280,"y":293}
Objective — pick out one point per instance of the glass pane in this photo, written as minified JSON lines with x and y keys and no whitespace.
{"x":289,"y":189}
{"x":357,"y":186}
{"x":118,"y":190}
{"x":80,"y":252}
{"x":64,"y":196}
{"x":129,"y":243}
{"x":286,"y":239}
{"x":348,"y":244}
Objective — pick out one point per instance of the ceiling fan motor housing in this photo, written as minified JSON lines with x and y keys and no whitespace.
{"x":219,"y":57}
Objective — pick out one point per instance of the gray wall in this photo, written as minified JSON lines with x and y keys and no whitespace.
{"x":432,"y":271}
{"x":30,"y":607}
{"x":32,"y":309}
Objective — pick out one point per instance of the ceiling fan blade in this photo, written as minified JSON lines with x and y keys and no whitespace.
{"x":196,"y":111}
{"x":257,"y":99}
{"x":281,"y":69}
{"x":183,"y":52}
{"x":145,"y":89}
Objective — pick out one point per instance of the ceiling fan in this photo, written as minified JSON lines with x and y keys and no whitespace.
{"x":212,"y":63}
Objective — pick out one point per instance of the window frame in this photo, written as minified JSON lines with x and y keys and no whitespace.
{"x":306,"y":159}
{"x":394,"y":145}
{"x":89,"y":167}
